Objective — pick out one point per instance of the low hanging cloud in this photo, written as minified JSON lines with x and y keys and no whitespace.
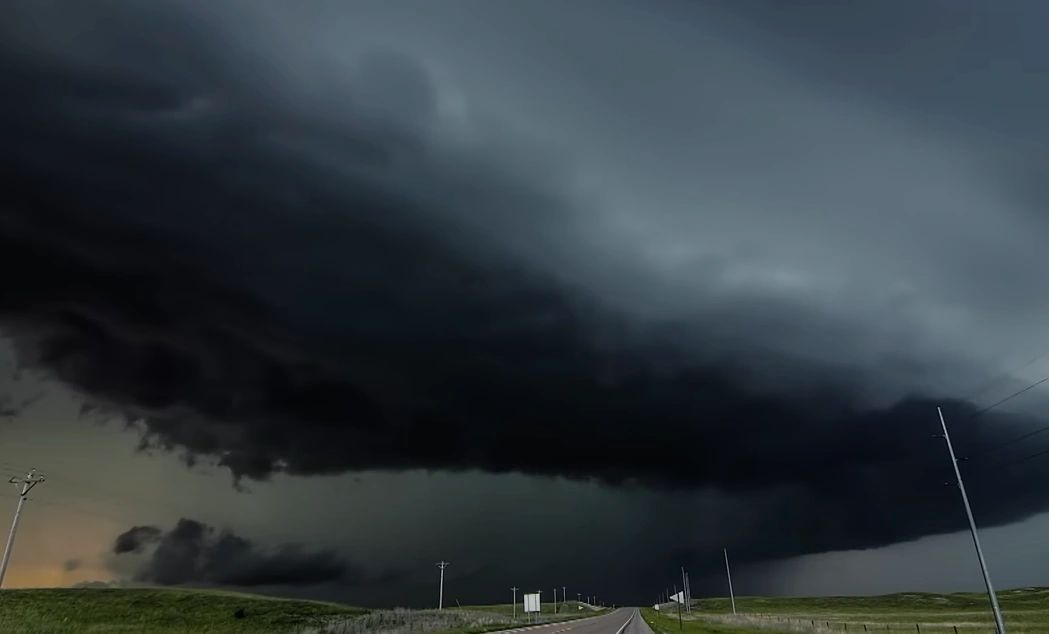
{"x":136,"y":538}
{"x":287,"y":282}
{"x":195,"y":553}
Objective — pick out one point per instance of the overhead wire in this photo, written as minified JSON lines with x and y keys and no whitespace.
{"x":1026,"y":389}
{"x":1004,"y":375}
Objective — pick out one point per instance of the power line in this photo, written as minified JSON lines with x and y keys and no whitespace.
{"x":1005,"y":443}
{"x":1005,"y":464}
{"x":1004,"y":375}
{"x":1029,"y":457}
{"x":1010,"y":397}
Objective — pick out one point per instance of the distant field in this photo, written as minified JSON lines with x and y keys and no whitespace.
{"x":466,"y":620}
{"x":568,"y":609}
{"x":159,"y":611}
{"x":184,"y":611}
{"x":1026,"y":611}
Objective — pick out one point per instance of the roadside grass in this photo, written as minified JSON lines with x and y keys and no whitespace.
{"x":159,"y":611}
{"x":666,"y":623}
{"x":1026,"y":610}
{"x":465,"y":620}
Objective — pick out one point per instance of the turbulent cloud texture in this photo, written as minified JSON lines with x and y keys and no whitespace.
{"x":136,"y":538}
{"x":314,"y":273}
{"x":195,"y":553}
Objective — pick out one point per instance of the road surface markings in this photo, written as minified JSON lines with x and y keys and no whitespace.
{"x":629,"y":619}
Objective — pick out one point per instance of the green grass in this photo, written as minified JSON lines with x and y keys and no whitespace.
{"x":186,"y":611}
{"x":1026,"y":610}
{"x":456,"y":620}
{"x":667,"y":623}
{"x":158,"y":611}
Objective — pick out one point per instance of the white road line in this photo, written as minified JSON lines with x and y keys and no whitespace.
{"x":629,"y":619}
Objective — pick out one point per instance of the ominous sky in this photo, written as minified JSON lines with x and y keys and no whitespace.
{"x":303,"y":297}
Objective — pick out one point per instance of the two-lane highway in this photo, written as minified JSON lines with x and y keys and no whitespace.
{"x":621,"y":621}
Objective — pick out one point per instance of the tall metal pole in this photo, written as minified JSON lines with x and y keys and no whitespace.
{"x":728,"y":572}
{"x":31,"y":480}
{"x":440,"y":597}
{"x":684,"y":589}
{"x":564,"y":597}
{"x":514,"y":590}
{"x":555,"y":600}
{"x":679,"y":625}
{"x":688,"y":591}
{"x":998,"y":621}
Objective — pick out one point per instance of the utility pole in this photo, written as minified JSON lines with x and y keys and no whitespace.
{"x":728,"y":573}
{"x":684,"y":589}
{"x":555,"y":600}
{"x":514,"y":590}
{"x":679,"y":625}
{"x":440,"y":597}
{"x":564,"y":597}
{"x":688,"y":591}
{"x":998,"y":621}
{"x":28,"y":482}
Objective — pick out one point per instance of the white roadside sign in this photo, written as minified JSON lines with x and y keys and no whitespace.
{"x":531,"y":603}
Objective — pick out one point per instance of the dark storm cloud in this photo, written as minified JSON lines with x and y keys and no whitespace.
{"x":974,"y":70}
{"x":72,"y":564}
{"x":195,"y":553}
{"x":307,"y":275}
{"x":136,"y":538}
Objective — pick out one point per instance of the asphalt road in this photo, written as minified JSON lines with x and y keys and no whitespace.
{"x":621,"y":621}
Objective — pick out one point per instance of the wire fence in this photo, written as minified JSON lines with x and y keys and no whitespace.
{"x":825,"y":625}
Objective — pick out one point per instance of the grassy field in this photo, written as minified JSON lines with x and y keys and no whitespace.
{"x":465,"y":620}
{"x":1026,"y":611}
{"x":184,"y":611}
{"x":159,"y":611}
{"x":667,"y":623}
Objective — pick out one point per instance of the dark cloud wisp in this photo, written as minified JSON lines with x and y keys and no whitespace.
{"x":136,"y":538}
{"x":284,"y":284}
{"x":195,"y":553}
